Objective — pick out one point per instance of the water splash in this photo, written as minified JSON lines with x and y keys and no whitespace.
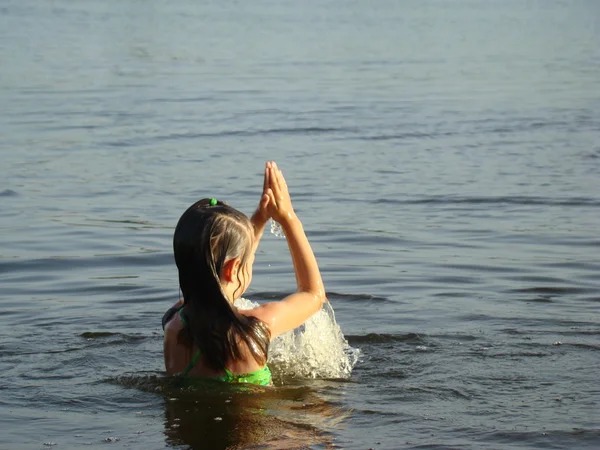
{"x":276,"y":229}
{"x":317,"y":349}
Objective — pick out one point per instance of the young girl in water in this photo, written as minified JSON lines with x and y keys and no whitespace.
{"x":205,"y":334}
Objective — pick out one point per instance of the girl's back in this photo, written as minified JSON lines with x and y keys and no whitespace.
{"x":179,"y":358}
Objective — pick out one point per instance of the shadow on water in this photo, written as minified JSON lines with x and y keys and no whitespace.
{"x":215,"y":415}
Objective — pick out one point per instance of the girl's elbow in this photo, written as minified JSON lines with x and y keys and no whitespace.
{"x":320,"y":296}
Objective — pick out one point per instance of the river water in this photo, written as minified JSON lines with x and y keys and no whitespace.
{"x":444,"y":157}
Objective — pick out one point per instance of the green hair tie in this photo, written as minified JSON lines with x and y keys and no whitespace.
{"x":213,"y":202}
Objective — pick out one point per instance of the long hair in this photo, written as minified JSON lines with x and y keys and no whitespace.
{"x":205,"y":238}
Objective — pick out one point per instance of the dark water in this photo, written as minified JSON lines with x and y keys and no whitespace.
{"x":443,"y":155}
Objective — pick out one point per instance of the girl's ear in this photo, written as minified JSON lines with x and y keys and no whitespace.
{"x":230,"y":270}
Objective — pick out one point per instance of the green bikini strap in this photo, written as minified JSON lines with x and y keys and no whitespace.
{"x":195,"y":358}
{"x":192,"y":363}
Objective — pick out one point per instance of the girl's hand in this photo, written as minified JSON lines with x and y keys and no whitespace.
{"x":262,"y":212}
{"x":261,"y":215}
{"x":279,"y":203}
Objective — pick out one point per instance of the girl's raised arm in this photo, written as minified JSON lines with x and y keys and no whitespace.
{"x":261,"y":215}
{"x":295,"y":309}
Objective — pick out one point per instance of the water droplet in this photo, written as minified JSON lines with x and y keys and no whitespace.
{"x":276,"y":229}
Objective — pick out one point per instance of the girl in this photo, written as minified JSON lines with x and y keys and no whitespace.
{"x":214,"y":244}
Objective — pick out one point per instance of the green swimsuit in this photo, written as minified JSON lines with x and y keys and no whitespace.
{"x":261,"y":377}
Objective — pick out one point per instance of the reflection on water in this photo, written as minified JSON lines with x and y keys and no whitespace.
{"x":211,"y":414}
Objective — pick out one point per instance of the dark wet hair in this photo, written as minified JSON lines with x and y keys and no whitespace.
{"x":205,"y":238}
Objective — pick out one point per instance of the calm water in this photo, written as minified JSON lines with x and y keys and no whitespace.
{"x":443,"y":155}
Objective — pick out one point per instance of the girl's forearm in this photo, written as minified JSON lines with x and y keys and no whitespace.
{"x":308,"y":276}
{"x":258,"y":225}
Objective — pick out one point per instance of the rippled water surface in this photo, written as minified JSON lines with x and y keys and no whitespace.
{"x":444,"y":157}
